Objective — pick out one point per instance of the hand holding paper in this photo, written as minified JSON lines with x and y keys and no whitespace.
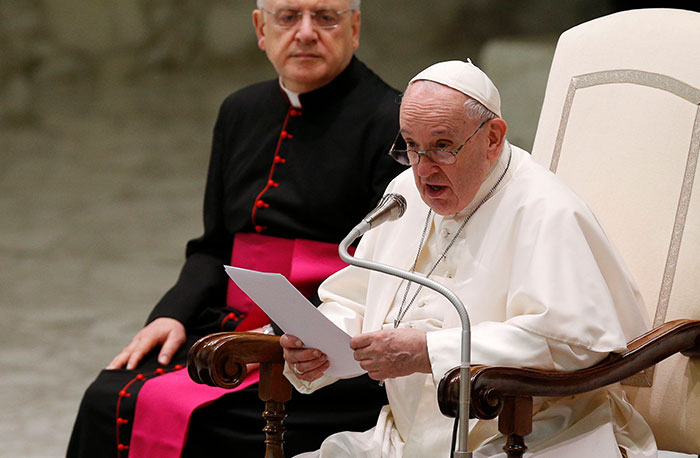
{"x":292,"y":312}
{"x":309,"y":364}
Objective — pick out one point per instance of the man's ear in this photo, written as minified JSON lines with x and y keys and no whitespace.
{"x":496,"y":136}
{"x":258,"y":24}
{"x":356,"y":25}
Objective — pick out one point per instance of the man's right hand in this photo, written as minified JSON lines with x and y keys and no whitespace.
{"x":307,"y":363}
{"x":167,"y":332}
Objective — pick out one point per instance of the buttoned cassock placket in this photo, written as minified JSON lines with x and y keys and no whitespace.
{"x":279,"y":159}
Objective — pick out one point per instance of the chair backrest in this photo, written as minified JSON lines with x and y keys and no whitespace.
{"x":620,"y":123}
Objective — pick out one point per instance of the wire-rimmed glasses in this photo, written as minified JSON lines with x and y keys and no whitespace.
{"x":439,"y":156}
{"x":323,"y":18}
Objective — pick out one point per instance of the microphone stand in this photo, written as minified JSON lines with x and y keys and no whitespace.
{"x":464,"y":368}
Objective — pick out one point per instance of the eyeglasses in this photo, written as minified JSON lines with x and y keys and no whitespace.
{"x":323,"y":18}
{"x":439,"y":156}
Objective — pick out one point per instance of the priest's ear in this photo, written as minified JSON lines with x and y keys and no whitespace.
{"x":258,"y":23}
{"x":496,"y":134}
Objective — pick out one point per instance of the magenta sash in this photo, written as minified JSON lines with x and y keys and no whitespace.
{"x":305,"y":263}
{"x":163,"y":409}
{"x":165,"y":403}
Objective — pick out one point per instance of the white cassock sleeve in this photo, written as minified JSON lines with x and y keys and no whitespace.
{"x":503,"y":344}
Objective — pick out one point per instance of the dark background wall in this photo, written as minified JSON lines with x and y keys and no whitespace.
{"x":44,"y":43}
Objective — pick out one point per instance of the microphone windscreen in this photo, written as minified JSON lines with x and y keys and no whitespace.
{"x":391,"y":207}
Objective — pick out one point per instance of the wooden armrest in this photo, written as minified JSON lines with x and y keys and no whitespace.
{"x":220,"y":359}
{"x":491,"y":384}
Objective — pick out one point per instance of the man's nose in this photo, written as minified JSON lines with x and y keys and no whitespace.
{"x":306,"y":32}
{"x":425,"y":167}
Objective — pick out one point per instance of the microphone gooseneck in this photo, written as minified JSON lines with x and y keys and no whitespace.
{"x":390,"y":208}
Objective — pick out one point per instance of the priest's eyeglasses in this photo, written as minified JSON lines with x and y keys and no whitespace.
{"x":439,"y":156}
{"x":323,"y":18}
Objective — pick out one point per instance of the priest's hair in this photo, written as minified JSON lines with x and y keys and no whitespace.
{"x":476,"y":110}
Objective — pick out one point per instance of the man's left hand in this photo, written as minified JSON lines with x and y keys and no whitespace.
{"x":392,"y":353}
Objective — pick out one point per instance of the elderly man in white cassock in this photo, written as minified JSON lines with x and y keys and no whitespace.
{"x":543,"y":286}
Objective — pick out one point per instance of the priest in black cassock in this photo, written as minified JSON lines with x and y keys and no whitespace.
{"x":296,"y":162}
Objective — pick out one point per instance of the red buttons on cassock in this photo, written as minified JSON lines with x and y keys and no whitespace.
{"x":280,"y":160}
{"x":124,"y":394}
{"x":178,"y":367}
{"x":258,"y":228}
{"x":261,"y":204}
{"x":122,"y":447}
{"x":272,"y":183}
{"x":160,"y":371}
{"x":139,"y":377}
{"x":230,"y":316}
{"x":122,"y":421}
{"x":286,"y":134}
{"x":293,"y":112}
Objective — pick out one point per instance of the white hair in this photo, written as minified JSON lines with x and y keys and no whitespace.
{"x":354,"y":4}
{"x":477,"y":110}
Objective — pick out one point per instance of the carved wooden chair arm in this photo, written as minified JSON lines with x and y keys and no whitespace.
{"x":220,"y":359}
{"x":508,"y":391}
{"x":490,"y":383}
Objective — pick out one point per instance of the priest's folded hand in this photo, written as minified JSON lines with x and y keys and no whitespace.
{"x":392,"y":353}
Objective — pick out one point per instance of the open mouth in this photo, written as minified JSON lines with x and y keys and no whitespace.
{"x":434,"y":190}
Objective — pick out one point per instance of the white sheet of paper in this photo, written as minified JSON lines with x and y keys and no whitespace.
{"x":292,"y":312}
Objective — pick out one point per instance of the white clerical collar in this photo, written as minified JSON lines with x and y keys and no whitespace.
{"x":292,"y":96}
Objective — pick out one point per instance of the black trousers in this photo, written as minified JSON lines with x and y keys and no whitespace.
{"x":229,"y":427}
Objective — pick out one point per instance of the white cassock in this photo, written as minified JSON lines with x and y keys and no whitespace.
{"x":544,"y":288}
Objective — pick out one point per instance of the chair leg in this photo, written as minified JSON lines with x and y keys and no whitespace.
{"x":274,"y":430}
{"x":515,"y":422}
{"x":274,"y":390}
{"x":515,"y":446}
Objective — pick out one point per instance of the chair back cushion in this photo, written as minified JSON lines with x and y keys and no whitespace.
{"x":620,"y":124}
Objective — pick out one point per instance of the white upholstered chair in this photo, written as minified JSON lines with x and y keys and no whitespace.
{"x":620,"y":123}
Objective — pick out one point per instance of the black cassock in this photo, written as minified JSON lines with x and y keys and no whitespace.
{"x":275,"y":170}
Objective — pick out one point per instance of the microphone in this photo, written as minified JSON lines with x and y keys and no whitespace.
{"x":390,"y":208}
